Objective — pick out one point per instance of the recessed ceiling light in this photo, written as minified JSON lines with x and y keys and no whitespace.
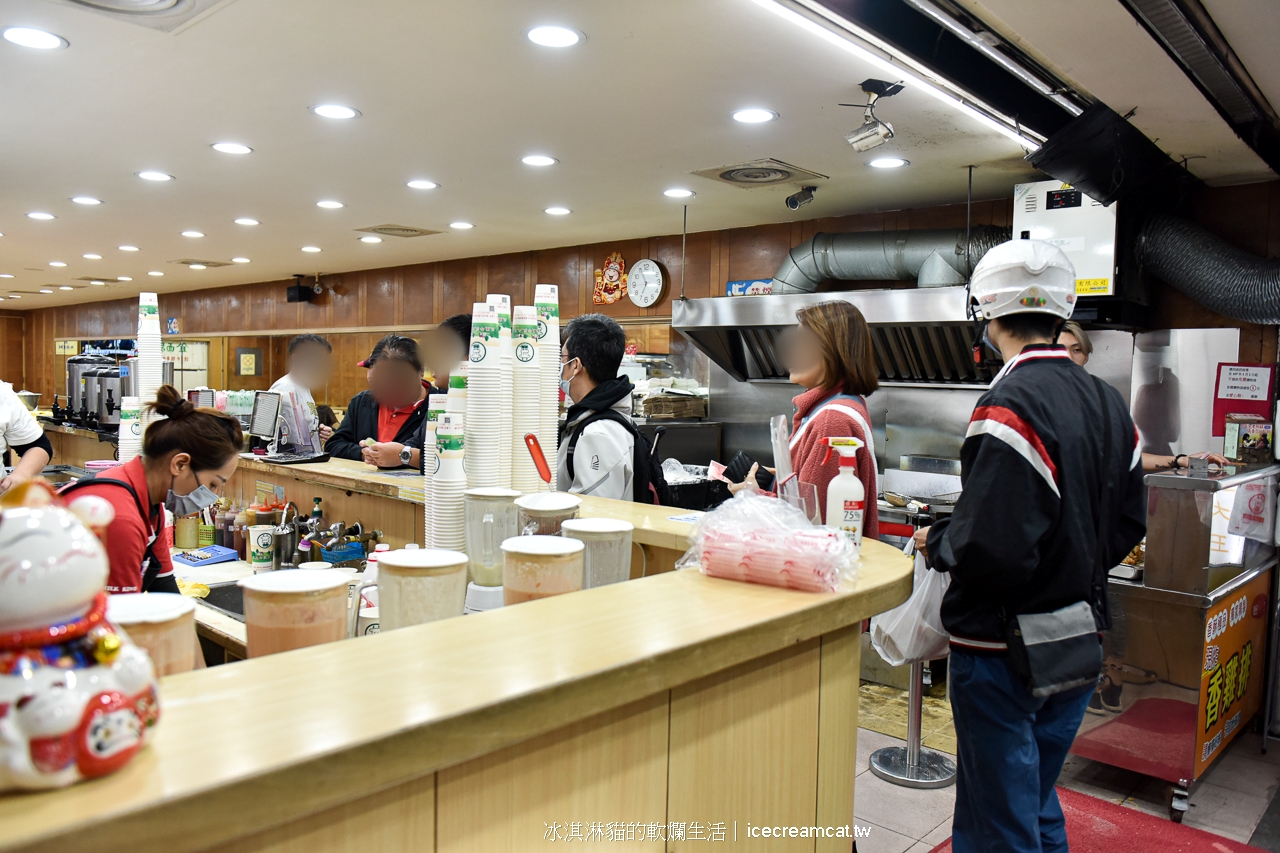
{"x":244,"y":220}
{"x":192,"y":234}
{"x":754,"y":116}
{"x":6,"y":275}
{"x":539,"y":160}
{"x":155,"y":176}
{"x":461,"y":226}
{"x":329,"y":205}
{"x":310,"y":248}
{"x":231,"y":148}
{"x":128,"y":248}
{"x":559,"y":211}
{"x":554,"y":36}
{"x":335,"y":111}
{"x":65,"y":287}
{"x":371,"y":239}
{"x":888,"y":163}
{"x":46,"y":290}
{"x":123,"y":278}
{"x":239,"y":260}
{"x":39,"y":215}
{"x":56,"y":264}
{"x":155,"y":272}
{"x":423,"y":185}
{"x":197,"y":266}
{"x":39,"y":39}
{"x":84,"y":199}
{"x":92,"y":257}
{"x":101,"y":283}
{"x":679,"y":193}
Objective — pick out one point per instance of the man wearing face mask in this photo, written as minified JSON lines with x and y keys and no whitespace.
{"x":185,"y":460}
{"x":596,"y":454}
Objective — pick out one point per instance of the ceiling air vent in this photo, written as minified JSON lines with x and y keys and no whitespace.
{"x":105,"y":278}
{"x":196,"y":262}
{"x":163,"y":15}
{"x":761,"y":173}
{"x":397,"y":231}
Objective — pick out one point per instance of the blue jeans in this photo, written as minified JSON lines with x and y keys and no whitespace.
{"x":1011,"y":746}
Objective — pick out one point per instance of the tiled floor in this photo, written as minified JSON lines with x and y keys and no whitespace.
{"x":1229,"y":801}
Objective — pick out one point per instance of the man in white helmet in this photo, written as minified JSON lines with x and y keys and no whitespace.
{"x":1052,"y":499}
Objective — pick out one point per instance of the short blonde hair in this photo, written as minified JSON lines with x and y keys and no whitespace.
{"x":1071,"y":327}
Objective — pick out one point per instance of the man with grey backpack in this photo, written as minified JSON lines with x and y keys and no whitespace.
{"x":1052,"y":500}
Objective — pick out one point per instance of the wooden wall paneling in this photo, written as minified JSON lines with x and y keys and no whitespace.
{"x":755,"y":252}
{"x":697,"y":275}
{"x":319,"y":313}
{"x":284,"y":314}
{"x":1273,"y":220}
{"x":11,"y":346}
{"x":458,"y":284}
{"x":585,"y":274}
{"x":715,"y":258}
{"x":754,"y":728}
{"x":609,"y":768}
{"x":560,"y":267}
{"x":508,"y":274}
{"x":417,"y":295}
{"x":383,"y":295}
{"x":236,"y":305}
{"x":259,"y":309}
{"x":121,"y":317}
{"x":1237,"y":214}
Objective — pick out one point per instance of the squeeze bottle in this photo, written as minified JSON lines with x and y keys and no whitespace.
{"x":846,"y":499}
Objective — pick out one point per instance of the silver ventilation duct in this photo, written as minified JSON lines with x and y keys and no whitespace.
{"x":886,"y":256}
{"x":1211,"y":271}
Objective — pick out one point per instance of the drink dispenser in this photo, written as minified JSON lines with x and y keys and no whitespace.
{"x":109,"y":396}
{"x":76,"y":366}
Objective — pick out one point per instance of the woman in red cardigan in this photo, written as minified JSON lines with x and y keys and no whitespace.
{"x":829,"y":355}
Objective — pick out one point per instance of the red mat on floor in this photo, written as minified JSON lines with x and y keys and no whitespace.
{"x":1156,"y":737}
{"x":1097,"y":826}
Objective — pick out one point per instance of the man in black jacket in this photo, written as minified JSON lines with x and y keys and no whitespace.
{"x":1024,"y":539}
{"x":390,"y":411}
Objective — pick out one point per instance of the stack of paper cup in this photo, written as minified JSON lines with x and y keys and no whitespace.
{"x":150,"y":361}
{"x":457,"y":401}
{"x":502,"y":303}
{"x":430,"y":462}
{"x":449,"y":485}
{"x":484,"y":390}
{"x":130,"y":429}
{"x":527,"y":408}
{"x":546,"y":299}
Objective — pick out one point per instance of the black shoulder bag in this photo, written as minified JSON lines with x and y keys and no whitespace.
{"x":1055,"y":652}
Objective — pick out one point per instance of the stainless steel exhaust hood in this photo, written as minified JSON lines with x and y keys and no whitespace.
{"x":920,"y":336}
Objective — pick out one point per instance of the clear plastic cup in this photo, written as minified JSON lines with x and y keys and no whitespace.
{"x":542,"y":514}
{"x":491,"y":518}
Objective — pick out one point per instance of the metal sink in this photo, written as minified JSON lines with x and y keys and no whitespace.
{"x":228,"y":598}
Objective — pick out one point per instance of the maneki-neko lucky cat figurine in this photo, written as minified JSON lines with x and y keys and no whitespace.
{"x":77,"y":698}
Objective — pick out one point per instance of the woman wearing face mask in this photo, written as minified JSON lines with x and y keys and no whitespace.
{"x":829,"y":355}
{"x":185,"y":460}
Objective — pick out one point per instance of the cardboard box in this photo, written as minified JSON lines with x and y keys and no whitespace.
{"x":1248,"y":438}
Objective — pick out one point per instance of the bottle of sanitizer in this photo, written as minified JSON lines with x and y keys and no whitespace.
{"x":846,"y":498}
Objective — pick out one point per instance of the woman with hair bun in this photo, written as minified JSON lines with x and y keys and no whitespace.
{"x":186,"y":459}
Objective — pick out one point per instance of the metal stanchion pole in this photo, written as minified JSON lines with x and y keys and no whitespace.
{"x":912,"y":766}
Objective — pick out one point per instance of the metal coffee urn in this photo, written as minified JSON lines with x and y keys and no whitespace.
{"x":109,"y":396}
{"x":76,"y":366}
{"x":129,"y":377}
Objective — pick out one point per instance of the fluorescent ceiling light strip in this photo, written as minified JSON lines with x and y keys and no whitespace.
{"x":841,"y":32}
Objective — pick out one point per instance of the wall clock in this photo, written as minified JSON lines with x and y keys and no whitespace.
{"x":646,"y":283}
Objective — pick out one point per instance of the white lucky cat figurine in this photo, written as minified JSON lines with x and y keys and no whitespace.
{"x":77,"y":698}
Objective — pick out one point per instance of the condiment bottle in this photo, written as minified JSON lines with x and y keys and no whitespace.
{"x":241,"y":524}
{"x":846,"y":498}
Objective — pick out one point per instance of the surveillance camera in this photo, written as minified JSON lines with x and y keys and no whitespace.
{"x":800,"y":199}
{"x":872,"y":133}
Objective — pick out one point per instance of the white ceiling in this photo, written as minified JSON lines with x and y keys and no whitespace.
{"x":1251,"y":29}
{"x":1099,"y":47}
{"x":449,"y":91}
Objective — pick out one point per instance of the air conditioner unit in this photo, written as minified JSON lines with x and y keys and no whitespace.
{"x":1058,"y":213}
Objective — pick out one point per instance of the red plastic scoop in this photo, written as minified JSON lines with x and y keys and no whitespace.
{"x":535,"y":450}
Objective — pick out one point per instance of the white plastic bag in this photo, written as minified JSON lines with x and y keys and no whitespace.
{"x":1251,"y":511}
{"x":913,"y":630}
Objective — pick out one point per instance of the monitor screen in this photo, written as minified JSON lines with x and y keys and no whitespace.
{"x":266,"y":412}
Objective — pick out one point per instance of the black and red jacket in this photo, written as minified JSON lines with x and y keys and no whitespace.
{"x":1023,"y":536}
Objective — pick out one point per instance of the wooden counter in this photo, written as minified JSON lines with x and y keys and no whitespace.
{"x":675,"y":697}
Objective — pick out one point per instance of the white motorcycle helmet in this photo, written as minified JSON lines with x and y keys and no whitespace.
{"x":1024,"y":276}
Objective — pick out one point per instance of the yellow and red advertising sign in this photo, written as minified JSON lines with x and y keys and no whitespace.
{"x":1232,"y":677}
